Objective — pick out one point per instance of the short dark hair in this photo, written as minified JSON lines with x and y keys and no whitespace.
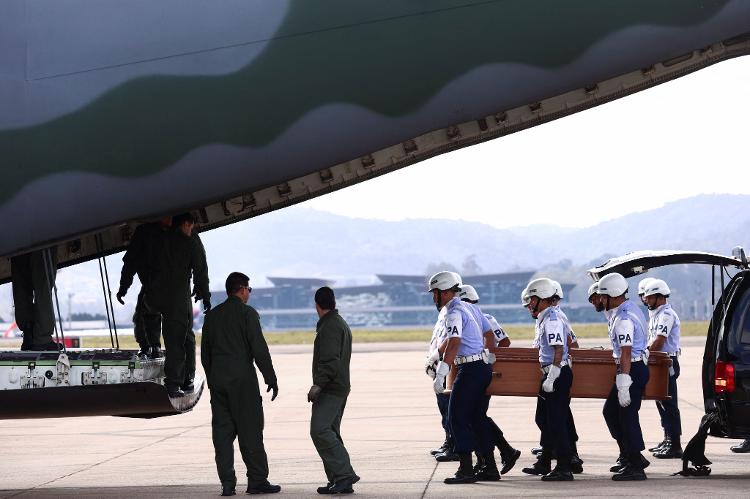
{"x":180,"y":219}
{"x":235,"y":282}
{"x":325,"y":299}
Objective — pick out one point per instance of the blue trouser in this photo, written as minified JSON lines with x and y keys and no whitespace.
{"x":623,"y":422}
{"x":442,"y":402}
{"x":553,"y":416}
{"x":467,"y":409}
{"x":668,"y":410}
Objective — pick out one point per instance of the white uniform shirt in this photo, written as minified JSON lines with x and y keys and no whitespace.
{"x":438,"y":332}
{"x":566,"y":323}
{"x":665,"y":322}
{"x":627,"y":329}
{"x":460,"y":323}
{"x":549,"y":333}
{"x":498,"y":331}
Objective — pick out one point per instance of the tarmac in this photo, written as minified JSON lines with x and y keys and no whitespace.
{"x":391,"y":423}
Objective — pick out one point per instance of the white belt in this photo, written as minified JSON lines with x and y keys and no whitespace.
{"x":568,"y":362}
{"x":632,"y":359}
{"x":468,"y":358}
{"x":675,"y":354}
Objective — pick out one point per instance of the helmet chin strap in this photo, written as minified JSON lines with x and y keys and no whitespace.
{"x":535,"y":312}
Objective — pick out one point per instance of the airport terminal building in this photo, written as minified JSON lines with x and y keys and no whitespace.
{"x":394,"y":301}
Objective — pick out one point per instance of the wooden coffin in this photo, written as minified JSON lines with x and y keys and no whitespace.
{"x":516,"y":372}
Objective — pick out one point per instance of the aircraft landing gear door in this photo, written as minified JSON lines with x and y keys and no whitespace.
{"x":732,"y":370}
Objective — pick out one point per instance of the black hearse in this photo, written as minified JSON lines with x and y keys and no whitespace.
{"x":726,"y":358}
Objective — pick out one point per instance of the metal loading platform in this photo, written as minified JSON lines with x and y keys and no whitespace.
{"x":87,"y":383}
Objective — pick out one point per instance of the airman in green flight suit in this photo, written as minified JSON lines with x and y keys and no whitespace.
{"x":232,"y":340}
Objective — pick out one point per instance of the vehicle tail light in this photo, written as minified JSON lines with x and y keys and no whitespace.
{"x":724,"y":377}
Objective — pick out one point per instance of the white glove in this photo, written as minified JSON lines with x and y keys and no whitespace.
{"x":549,"y":383}
{"x":623,"y":382}
{"x":440,"y":373}
{"x":491,"y":358}
{"x":430,"y":363}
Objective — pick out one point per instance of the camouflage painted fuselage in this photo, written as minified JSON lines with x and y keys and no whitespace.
{"x":114,"y":111}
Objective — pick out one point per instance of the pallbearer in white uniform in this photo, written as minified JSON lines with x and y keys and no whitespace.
{"x":553,"y":402}
{"x":627,"y":332}
{"x":494,"y":339}
{"x":464,"y":348}
{"x":664,"y":336}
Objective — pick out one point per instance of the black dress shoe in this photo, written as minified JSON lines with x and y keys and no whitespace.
{"x":324,"y":488}
{"x":538,"y":468}
{"x":558,"y":475}
{"x":228,"y":490}
{"x":741,"y":448}
{"x":658,"y":446}
{"x":536,"y":450}
{"x":461,"y":477}
{"x":263,"y":488}
{"x":509,"y":461}
{"x":671,"y":450}
{"x":188,"y":387}
{"x":620,"y":464}
{"x":487,"y":473}
{"x":446,"y":456}
{"x":629,"y":474}
{"x":343,"y":486}
{"x":443,"y":447}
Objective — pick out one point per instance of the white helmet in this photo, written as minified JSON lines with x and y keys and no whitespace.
{"x":525,"y":298}
{"x":656,"y":287}
{"x":542,"y":288}
{"x":444,"y":281}
{"x":558,"y":290}
{"x":468,"y":293}
{"x":642,"y":285}
{"x":613,"y":285}
{"x":593,"y":289}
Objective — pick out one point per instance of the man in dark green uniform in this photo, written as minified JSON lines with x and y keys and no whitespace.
{"x":330,"y":369}
{"x":141,"y":258}
{"x":179,"y":258}
{"x":232,"y":339}
{"x":33,"y":276}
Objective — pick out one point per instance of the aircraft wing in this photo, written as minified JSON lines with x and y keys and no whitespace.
{"x":119,"y":111}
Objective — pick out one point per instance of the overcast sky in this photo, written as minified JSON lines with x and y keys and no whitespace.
{"x":676,"y":140}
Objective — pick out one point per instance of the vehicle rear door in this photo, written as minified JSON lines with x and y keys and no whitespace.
{"x":731,"y":358}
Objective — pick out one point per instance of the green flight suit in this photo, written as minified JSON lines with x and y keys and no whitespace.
{"x":142,"y":258}
{"x":33,"y":280}
{"x":190,"y":338}
{"x":169,"y":293}
{"x":232,"y":339}
{"x":330,"y":369}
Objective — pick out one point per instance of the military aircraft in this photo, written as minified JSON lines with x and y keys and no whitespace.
{"x":119,"y":112}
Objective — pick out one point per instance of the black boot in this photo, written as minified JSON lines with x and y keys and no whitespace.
{"x":448,"y":454}
{"x":576,"y":464}
{"x":561,"y":473}
{"x":480,"y":462}
{"x":620,"y":464}
{"x":188,"y":386}
{"x":742,"y":447}
{"x":671,"y":450}
{"x":443,"y":447}
{"x":487,"y":472}
{"x":631,"y":472}
{"x":465,"y":473}
{"x":542,"y":466}
{"x":509,"y":456}
{"x":657,"y":447}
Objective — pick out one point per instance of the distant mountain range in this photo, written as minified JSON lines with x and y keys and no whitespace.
{"x":301,"y":242}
